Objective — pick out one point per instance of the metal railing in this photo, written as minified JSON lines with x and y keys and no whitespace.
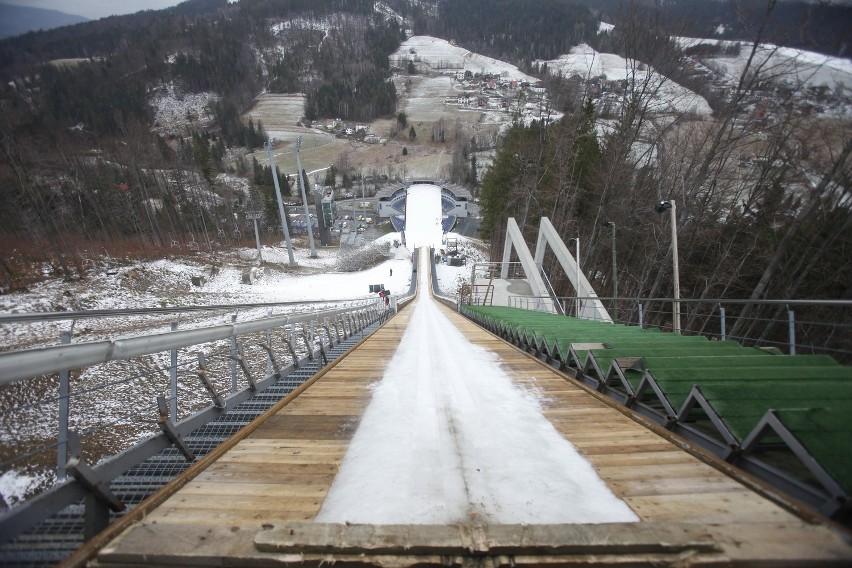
{"x":791,"y":326}
{"x":117,"y":402}
{"x":560,"y":308}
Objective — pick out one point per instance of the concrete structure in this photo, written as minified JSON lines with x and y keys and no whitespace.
{"x":533,"y":284}
{"x":455,"y":202}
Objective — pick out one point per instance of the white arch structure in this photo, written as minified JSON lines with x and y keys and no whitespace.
{"x":547,"y":236}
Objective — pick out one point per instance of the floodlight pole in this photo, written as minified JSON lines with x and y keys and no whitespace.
{"x":675,"y":270}
{"x":577,"y":281}
{"x":304,"y":197}
{"x":661,"y":208}
{"x":578,"y":276}
{"x":611,"y":225}
{"x":282,"y":214}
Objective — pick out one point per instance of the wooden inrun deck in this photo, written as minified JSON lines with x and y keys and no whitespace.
{"x":252,"y":502}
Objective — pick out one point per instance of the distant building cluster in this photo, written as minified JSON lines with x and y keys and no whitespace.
{"x":501,"y":92}
{"x":344,"y":129}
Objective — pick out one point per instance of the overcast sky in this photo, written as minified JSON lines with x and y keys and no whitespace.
{"x":94,"y":9}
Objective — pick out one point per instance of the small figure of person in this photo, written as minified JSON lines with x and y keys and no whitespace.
{"x":391,"y":271}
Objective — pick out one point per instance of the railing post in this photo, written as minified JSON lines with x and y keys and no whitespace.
{"x":173,"y":378}
{"x":791,"y":330}
{"x":234,"y":353}
{"x":64,"y":403}
{"x":641,"y":317}
{"x":722,"y":331}
{"x":269,"y":367}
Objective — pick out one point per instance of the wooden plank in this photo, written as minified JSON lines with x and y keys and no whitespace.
{"x":477,"y":541}
{"x":708,"y":507}
{"x":657,"y":471}
{"x":217,"y":515}
{"x":593,"y":450}
{"x":272,"y":491}
{"x":667,"y":456}
{"x":671,"y":485}
{"x":250,"y":472}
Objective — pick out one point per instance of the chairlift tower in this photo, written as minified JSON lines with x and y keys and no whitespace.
{"x":254,"y":216}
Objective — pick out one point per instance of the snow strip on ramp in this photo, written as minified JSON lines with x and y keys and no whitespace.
{"x":449,"y":438}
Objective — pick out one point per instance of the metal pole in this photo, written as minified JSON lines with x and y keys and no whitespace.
{"x":641,"y":316}
{"x":173,"y":379}
{"x":257,"y":241}
{"x":64,"y":404}
{"x":234,"y":353}
{"x":791,"y":330}
{"x":269,"y":368}
{"x":282,"y":214}
{"x":675,"y":270}
{"x":578,"y":277}
{"x":723,"y":332}
{"x":304,"y":197}
{"x":614,"y":266}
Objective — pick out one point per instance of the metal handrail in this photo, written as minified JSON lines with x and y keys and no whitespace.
{"x":98,"y":314}
{"x":560,"y":308}
{"x":18,"y":365}
{"x":223,"y":345}
{"x":638,"y":311}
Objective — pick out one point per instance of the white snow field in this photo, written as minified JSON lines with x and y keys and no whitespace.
{"x":444,"y":57}
{"x":667,"y":95}
{"x":796,"y":67}
{"x":448,"y":438}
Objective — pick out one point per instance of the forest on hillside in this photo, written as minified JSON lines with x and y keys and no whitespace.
{"x":519,"y":31}
{"x":763,"y":209}
{"x":82,"y":169}
{"x":820,"y":26}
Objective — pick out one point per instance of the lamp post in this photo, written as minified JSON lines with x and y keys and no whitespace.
{"x":661,"y":208}
{"x":576,"y":242}
{"x":611,"y":225}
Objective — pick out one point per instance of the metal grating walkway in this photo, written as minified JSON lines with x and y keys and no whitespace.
{"x":59,"y":536}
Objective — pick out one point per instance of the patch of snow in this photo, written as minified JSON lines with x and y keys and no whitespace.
{"x":174,"y":111}
{"x":666,"y":95}
{"x":440,"y":55}
{"x":234,"y":183}
{"x":796,"y":67}
{"x":385,"y":10}
{"x":15,"y":486}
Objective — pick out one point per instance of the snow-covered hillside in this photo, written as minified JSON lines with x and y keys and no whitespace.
{"x":443,"y":56}
{"x":796,"y":67}
{"x":667,"y":95}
